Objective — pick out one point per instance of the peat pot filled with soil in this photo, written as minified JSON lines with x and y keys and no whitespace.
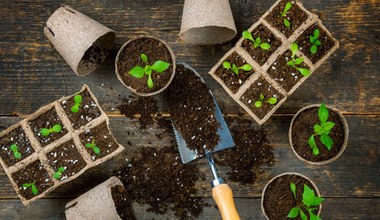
{"x":318,"y":134}
{"x":145,"y":65}
{"x":291,"y":196}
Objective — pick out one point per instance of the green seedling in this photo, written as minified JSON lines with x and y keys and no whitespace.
{"x":288,"y":6}
{"x":227,"y":65}
{"x":297,"y":61}
{"x":314,"y":40}
{"x":309,"y":204}
{"x":14,"y":149}
{"x":139,"y":71}
{"x":93,"y":147}
{"x":259,"y":103}
{"x":322,"y":130}
{"x":57,"y":175}
{"x":47,"y":131}
{"x":256,"y":42}
{"x":77,"y":102}
{"x":32,"y":186}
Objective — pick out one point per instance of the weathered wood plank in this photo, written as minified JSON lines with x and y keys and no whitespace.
{"x":352,"y":175}
{"x":32,"y":72}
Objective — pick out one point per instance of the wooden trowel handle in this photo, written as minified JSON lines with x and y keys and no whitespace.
{"x":224,"y":199}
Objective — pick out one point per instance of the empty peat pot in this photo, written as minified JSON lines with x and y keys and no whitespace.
{"x":83,"y":42}
{"x":145,"y":65}
{"x":207,"y":22}
{"x":302,"y":127}
{"x":277,"y":198}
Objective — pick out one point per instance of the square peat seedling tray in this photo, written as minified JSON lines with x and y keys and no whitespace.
{"x":273,"y":58}
{"x":56,"y":144}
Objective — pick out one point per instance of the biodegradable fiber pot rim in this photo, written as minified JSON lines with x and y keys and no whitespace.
{"x":345,"y":141}
{"x":284,"y":174}
{"x":132,"y":89}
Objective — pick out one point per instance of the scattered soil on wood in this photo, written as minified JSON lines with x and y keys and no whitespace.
{"x":130,"y":57}
{"x":146,"y":107}
{"x":279,"y":199}
{"x":303,"y":127}
{"x":192,"y":109}
{"x":252,"y":151}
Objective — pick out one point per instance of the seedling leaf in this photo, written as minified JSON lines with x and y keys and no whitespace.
{"x":286,"y":22}
{"x":316,"y":33}
{"x":323,"y":113}
{"x":57,"y":175}
{"x":315,"y":151}
{"x":235,"y":69}
{"x":96,"y":150}
{"x":246,"y":67}
{"x":226,"y":65}
{"x":57,"y":128}
{"x":291,"y":63}
{"x":318,"y":129}
{"x":298,"y":61}
{"x":328,"y":126}
{"x":247,"y":35}
{"x":294,"y":49}
{"x":303,"y":71}
{"x":258,"y":104}
{"x":257,"y":41}
{"x":137,"y":72}
{"x":77,"y":98}
{"x":74,"y":108}
{"x":265,"y":46}
{"x":88,"y":145}
{"x":303,"y":215}
{"x":272,"y":101}
{"x":34,"y":190}
{"x":150,"y":82}
{"x":318,"y":43}
{"x":61,"y":169}
{"x":311,"y":142}
{"x":294,"y":212}
{"x":313,"y":49}
{"x":144,"y":58}
{"x":288,"y":6}
{"x":294,"y":190}
{"x":45,"y":132}
{"x":327,"y":141}
{"x":261,"y":97}
{"x":313,"y":216}
{"x":160,"y":66}
{"x":14,"y":147}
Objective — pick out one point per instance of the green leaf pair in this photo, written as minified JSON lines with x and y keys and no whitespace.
{"x":139,"y":71}
{"x":57,"y":175}
{"x":93,"y":147}
{"x":47,"y":131}
{"x":297,"y":61}
{"x":256,"y":42}
{"x":227,"y":65}
{"x":77,"y":102}
{"x":15,"y":151}
{"x":259,"y":103}
{"x":32,"y":186}
{"x":287,"y":7}
{"x":314,"y":40}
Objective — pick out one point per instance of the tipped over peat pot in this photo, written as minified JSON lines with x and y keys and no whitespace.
{"x":144,"y":54}
{"x":302,"y":126}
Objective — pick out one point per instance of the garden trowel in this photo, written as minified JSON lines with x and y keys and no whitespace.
{"x":221,"y":192}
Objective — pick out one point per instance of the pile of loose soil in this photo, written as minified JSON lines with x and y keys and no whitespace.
{"x":252,"y":150}
{"x":146,"y":107}
{"x":193,"y":111}
{"x":158,"y":178}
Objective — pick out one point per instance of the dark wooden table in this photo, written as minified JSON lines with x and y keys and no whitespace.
{"x":32,"y":73}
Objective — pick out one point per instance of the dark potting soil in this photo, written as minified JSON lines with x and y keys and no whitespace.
{"x":88,"y":110}
{"x":259,"y":55}
{"x":304,"y":43}
{"x":18,"y":137}
{"x":67,"y":156}
{"x":260,"y":86}
{"x":158,"y":178}
{"x":279,"y":199}
{"x":32,"y":173}
{"x":303,"y":127}
{"x":295,"y":15}
{"x":47,"y":120}
{"x":192,"y":109}
{"x":285,"y":75}
{"x":233,"y":81}
{"x":123,"y":202}
{"x":252,"y":151}
{"x":130,"y":57}
{"x":146,"y":107}
{"x":103,"y":140}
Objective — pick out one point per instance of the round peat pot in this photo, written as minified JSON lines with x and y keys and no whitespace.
{"x":144,"y":54}
{"x":302,"y":127}
{"x":278,"y":196}
{"x":83,"y":42}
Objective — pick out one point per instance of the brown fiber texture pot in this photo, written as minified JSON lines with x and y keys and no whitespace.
{"x":284,"y":174}
{"x":83,"y":42}
{"x":119,"y":74}
{"x":44,"y":147}
{"x":345,"y":130}
{"x":264,"y":63}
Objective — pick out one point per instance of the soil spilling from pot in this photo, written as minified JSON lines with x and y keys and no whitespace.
{"x":158,"y":178}
{"x":146,"y":107}
{"x":252,"y":151}
{"x":279,"y":199}
{"x":130,"y":57}
{"x":303,"y":128}
{"x":192,"y":110}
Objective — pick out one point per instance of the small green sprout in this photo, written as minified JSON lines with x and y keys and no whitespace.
{"x":288,"y":6}
{"x":93,"y":147}
{"x":259,"y":103}
{"x":310,"y":202}
{"x":139,"y":71}
{"x":14,"y":149}
{"x":295,"y":62}
{"x":57,"y":175}
{"x":323,"y":130}
{"x":314,"y":40}
{"x":256,"y":42}
{"x":227,"y":65}
{"x":77,"y":102}
{"x":33,"y":187}
{"x":47,"y":131}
